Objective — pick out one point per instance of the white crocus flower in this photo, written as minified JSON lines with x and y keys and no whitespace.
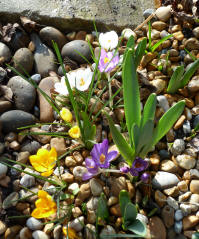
{"x":61,"y":88}
{"x":108,"y":40}
{"x":83,"y":79}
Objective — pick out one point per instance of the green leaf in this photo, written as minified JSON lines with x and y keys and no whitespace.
{"x":149,"y":109}
{"x":124,"y":199}
{"x":140,"y":50}
{"x":135,"y":134}
{"x":102,"y":209}
{"x":195,"y":235}
{"x":167,"y":121}
{"x":131,"y":92}
{"x":175,"y":81}
{"x":138,"y":228}
{"x":189,"y":73}
{"x":153,"y":48}
{"x":126,"y":151}
{"x":119,"y":235}
{"x":131,"y":42}
{"x":149,"y":27}
{"x":130,"y":214}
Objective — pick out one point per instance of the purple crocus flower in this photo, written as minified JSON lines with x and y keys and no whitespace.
{"x":100,"y":159}
{"x":138,"y":165}
{"x":145,"y":177}
{"x":107,"y":62}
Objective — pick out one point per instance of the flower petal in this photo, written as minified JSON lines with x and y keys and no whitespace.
{"x":47,"y":173}
{"x":111,"y":155}
{"x":134,"y":172}
{"x":87,"y":176}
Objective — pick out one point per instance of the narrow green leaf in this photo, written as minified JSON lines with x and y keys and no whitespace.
{"x":119,"y":235}
{"x":153,"y":48}
{"x":189,"y":73}
{"x":126,"y":151}
{"x":102,"y":209}
{"x":130,"y":214}
{"x":175,"y":81}
{"x":140,"y":50}
{"x":138,"y":228}
{"x":149,"y":29}
{"x":124,"y":199}
{"x":135,"y":134}
{"x":149,"y":109}
{"x":167,"y":121}
{"x":131,"y":92}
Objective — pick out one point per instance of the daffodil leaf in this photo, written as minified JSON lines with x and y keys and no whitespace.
{"x":140,"y":50}
{"x":137,"y":227}
{"x":175,"y":81}
{"x":102,"y":209}
{"x":124,"y":199}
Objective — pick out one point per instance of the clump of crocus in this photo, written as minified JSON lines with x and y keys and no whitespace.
{"x":74,"y":132}
{"x":139,"y":165}
{"x":44,"y":161}
{"x":100,"y":160}
{"x":108,"y":40}
{"x":66,"y":115}
{"x":70,"y":233}
{"x":108,"y":61}
{"x":45,"y":206}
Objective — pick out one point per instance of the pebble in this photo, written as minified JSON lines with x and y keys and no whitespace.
{"x":67,"y":177}
{"x":27,"y":181}
{"x":96,"y":187}
{"x":78,"y":172}
{"x":13,"y":119}
{"x":10,"y":200}
{"x":163,"y":180}
{"x":77,"y":224}
{"x":159,"y":84}
{"x":3,"y":227}
{"x":163,"y":13}
{"x":178,"y":227}
{"x":194,"y":186}
{"x":46,"y":111}
{"x":156,"y":226}
{"x":179,"y":122}
{"x":3,"y":170}
{"x":23,"y":60}
{"x":5,"y":52}
{"x":127,"y":32}
{"x":24,"y":93}
{"x":57,"y":232}
{"x":189,"y":222}
{"x":195,"y":200}
{"x":172,"y":202}
{"x":168,"y":166}
{"x":44,"y":57}
{"x":186,"y":209}
{"x":154,"y":34}
{"x":30,"y":146}
{"x":92,"y":204}
{"x":193,"y":84}
{"x":160,"y":198}
{"x":70,"y":161}
{"x":25,"y":233}
{"x":71,"y":48}
{"x":34,"y":224}
{"x":117,"y":184}
{"x":15,"y":172}
{"x":184,"y":197}
{"x":178,"y":215}
{"x":168,"y":216}
{"x":39,"y":235}
{"x":108,"y":230}
{"x":186,"y":127}
{"x":192,"y":44}
{"x":59,"y":144}
{"x":142,"y":218}
{"x":5,"y":106}
{"x":163,"y":102}
{"x":12,"y":231}
{"x":84,"y":193}
{"x":196,"y":32}
{"x":49,"y":34}
{"x":159,"y":25}
{"x":90,"y":231}
{"x":186,"y":161}
{"x":74,"y":187}
{"x":148,"y":12}
{"x":36,"y":78}
{"x":178,"y":147}
{"x":194,"y":173}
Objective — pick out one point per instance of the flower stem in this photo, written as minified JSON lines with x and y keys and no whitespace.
{"x":110,"y":90}
{"x":110,"y":171}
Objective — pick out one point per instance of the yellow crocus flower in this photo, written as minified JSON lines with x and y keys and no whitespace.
{"x":45,"y":206}
{"x":66,"y":115}
{"x":44,"y":161}
{"x":74,"y":132}
{"x":70,"y":232}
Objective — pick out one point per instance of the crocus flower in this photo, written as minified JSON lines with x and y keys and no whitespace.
{"x":101,"y":158}
{"x":45,"y":206}
{"x":61,"y":88}
{"x":107,"y":62}
{"x":83,"y":78}
{"x":66,"y":115}
{"x":44,"y":161}
{"x":145,"y":177}
{"x":74,"y":132}
{"x":108,"y":40}
{"x":138,"y":165}
{"x":70,"y":233}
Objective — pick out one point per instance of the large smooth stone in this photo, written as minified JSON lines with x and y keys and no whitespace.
{"x":163,"y":180}
{"x":5,"y":52}
{"x":72,"y":48}
{"x":24,"y":93}
{"x":13,"y":119}
{"x":23,"y":59}
{"x":46,"y":111}
{"x":156,"y":228}
{"x":43,"y":56}
{"x":49,"y":34}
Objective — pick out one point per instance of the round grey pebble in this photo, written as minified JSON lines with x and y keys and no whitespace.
{"x":3,"y":170}
{"x":178,"y":147}
{"x":24,"y":93}
{"x":5,"y":52}
{"x":179,"y":215}
{"x":186,"y":127}
{"x":70,"y":50}
{"x":178,"y":227}
{"x":27,"y":181}
{"x":15,"y":172}
{"x":34,"y":224}
{"x":13,"y":119}
{"x":196,"y":121}
{"x":77,"y":224}
{"x":36,"y":78}
{"x":39,"y":235}
{"x":11,"y":200}
{"x":164,"y":154}
{"x":148,"y":12}
{"x":30,"y":146}
{"x":108,"y":230}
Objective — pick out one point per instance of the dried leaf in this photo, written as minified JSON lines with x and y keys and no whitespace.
{"x":30,"y":25}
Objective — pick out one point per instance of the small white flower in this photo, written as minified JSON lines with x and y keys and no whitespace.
{"x":61,"y":88}
{"x":108,"y":40}
{"x":83,"y":79}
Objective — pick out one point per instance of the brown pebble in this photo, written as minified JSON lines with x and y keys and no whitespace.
{"x":189,"y":222}
{"x":180,"y":122}
{"x":4,"y":182}
{"x":115,"y":210}
{"x":67,"y":177}
{"x":160,"y":198}
{"x":11,"y":232}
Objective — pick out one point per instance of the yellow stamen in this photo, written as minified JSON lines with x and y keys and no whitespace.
{"x":106,"y":60}
{"x":82,"y":82}
{"x":102,"y":158}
